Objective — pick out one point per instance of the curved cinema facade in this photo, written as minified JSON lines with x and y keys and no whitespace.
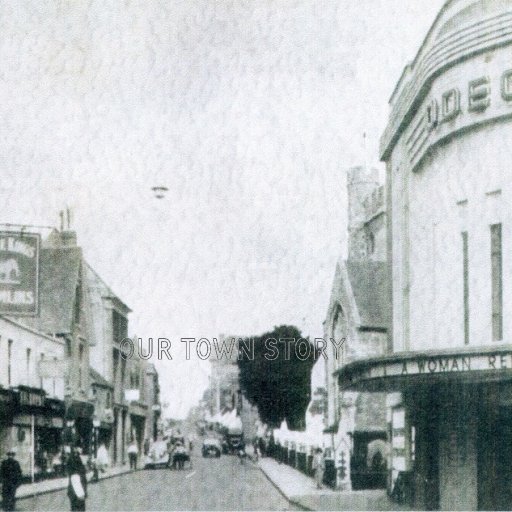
{"x":448,"y":151}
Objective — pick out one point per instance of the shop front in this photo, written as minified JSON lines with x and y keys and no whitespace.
{"x":119,"y":438}
{"x":451,"y":435}
{"x":7,"y":409}
{"x":33,"y":424}
{"x":79,"y":425}
{"x":137,"y":429}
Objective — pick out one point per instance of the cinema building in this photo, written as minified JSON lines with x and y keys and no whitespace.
{"x":448,"y":153}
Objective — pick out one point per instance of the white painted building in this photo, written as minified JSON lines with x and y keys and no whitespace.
{"x":21,"y":350}
{"x":31,"y":403}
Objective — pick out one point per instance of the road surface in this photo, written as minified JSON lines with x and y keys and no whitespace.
{"x":212,"y":484}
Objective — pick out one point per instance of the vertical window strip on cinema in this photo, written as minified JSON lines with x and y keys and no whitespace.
{"x":465,"y":277}
{"x":496,"y":283}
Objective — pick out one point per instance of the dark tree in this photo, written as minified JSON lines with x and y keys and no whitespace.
{"x":277,"y":379}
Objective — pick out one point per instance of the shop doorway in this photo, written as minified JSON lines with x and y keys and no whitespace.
{"x":432,"y":464}
{"x":494,"y":460}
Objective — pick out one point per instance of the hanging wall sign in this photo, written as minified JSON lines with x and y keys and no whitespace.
{"x":19,"y":273}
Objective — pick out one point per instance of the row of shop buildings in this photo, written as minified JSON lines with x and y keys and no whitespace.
{"x":63,"y":379}
{"x":422,"y":299}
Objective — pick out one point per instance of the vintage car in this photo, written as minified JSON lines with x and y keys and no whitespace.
{"x":158,"y":455}
{"x":211,"y":447}
{"x":233,"y":440}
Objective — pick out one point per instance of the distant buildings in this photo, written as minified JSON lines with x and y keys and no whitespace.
{"x":62,"y":377}
{"x":224,"y":391}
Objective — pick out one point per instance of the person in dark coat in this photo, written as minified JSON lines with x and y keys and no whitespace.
{"x":76,"y":468}
{"x":10,"y":476}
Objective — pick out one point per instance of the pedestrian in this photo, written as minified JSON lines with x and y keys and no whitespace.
{"x":318,"y":466}
{"x":146,"y":446}
{"x":132,"y":455}
{"x":10,"y":477}
{"x":179,"y":456}
{"x":242,"y":454}
{"x":170,"y":455}
{"x":77,"y":481}
{"x":261,"y":446}
{"x":102,"y":459}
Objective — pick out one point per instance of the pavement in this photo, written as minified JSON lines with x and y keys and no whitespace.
{"x":57,"y":484}
{"x":301,"y":491}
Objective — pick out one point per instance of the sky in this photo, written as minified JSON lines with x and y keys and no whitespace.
{"x":249,"y":112}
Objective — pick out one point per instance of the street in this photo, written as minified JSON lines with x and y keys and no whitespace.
{"x":212,"y":484}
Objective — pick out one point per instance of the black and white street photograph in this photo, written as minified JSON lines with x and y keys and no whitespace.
{"x":254,"y":255}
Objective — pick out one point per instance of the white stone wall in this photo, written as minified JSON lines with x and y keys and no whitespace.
{"x":463,"y":185}
{"x":23,"y":371}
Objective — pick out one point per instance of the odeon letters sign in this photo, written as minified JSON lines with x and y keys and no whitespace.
{"x":434,"y":365}
{"x":477,"y":100}
{"x":443,"y":114}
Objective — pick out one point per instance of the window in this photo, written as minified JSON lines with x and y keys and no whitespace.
{"x":9,"y":361}
{"x":370,"y":241}
{"x":120,"y":327}
{"x":29,"y":353}
{"x":123,"y":371}
{"x":77,"y":306}
{"x":80,"y":364}
{"x":40,"y":378}
{"x":496,"y":283}
{"x":465,"y":277}
{"x":53,"y":380}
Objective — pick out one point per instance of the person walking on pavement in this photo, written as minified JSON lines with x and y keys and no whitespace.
{"x":318,"y":466}
{"x":132,"y":455}
{"x":10,"y":477}
{"x":77,"y":481}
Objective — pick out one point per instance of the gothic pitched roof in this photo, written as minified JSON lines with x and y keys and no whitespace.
{"x":369,"y":281}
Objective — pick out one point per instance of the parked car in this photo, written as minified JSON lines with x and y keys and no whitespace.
{"x":157,"y":456}
{"x":211,"y":447}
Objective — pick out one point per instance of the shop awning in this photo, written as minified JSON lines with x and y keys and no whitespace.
{"x":7,"y":402}
{"x":78,"y":409}
{"x":138,"y":409}
{"x":399,"y":371}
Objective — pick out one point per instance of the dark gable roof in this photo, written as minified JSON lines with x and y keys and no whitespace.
{"x":370,"y":285}
{"x":98,"y":379}
{"x":59,"y":271}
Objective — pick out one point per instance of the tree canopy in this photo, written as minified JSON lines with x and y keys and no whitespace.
{"x":277,"y":379}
